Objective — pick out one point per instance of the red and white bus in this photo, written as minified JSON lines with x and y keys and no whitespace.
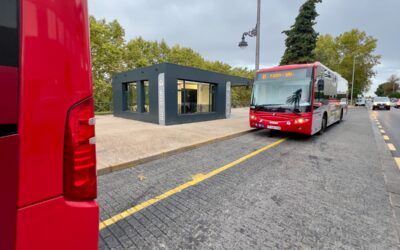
{"x":301,"y":98}
{"x":47,"y":151}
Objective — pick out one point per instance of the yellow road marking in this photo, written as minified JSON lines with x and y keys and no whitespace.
{"x":386,"y":138}
{"x":382,"y":131}
{"x":196,"y":179}
{"x":391,"y":147}
{"x":380,"y":126}
{"x":397,"y":160}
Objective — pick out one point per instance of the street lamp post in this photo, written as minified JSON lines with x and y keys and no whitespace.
{"x":254,"y":33}
{"x":352,"y":80}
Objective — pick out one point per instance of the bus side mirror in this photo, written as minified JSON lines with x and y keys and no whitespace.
{"x":320,"y":85}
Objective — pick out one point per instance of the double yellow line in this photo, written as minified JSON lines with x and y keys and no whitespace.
{"x":196,"y":179}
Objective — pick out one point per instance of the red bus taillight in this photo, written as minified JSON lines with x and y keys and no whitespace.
{"x":80,"y":182}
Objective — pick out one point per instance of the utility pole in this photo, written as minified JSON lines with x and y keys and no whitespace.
{"x":352,"y":80}
{"x":258,"y":35}
{"x":254,"y":33}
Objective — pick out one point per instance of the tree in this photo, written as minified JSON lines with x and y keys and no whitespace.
{"x":141,"y":53}
{"x":107,"y":51}
{"x":111,"y":54}
{"x":301,"y":38}
{"x":379,"y":91}
{"x":389,"y":88}
{"x":393,"y":84}
{"x":338,"y":54}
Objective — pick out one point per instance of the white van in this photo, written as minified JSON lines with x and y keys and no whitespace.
{"x":360,"y":101}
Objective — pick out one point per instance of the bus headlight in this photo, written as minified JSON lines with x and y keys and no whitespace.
{"x":301,"y":120}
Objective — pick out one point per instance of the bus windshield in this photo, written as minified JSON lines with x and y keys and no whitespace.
{"x":283,"y":91}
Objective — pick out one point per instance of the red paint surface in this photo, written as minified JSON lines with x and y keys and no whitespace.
{"x":64,"y":225}
{"x":288,"y":67}
{"x":282,"y":120}
{"x":8,"y":190}
{"x":8,"y":95}
{"x":55,"y":74}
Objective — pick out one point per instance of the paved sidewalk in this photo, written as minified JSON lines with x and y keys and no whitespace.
{"x":122,"y":142}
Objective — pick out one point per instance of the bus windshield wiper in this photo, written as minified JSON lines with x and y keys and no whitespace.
{"x":262,"y":106}
{"x":296,"y":111}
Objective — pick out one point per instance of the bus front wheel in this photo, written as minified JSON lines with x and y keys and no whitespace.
{"x":323,"y":125}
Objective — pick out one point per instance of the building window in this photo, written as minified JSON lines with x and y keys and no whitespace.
{"x":131,"y":97}
{"x":195,"y":97}
{"x":145,"y":86}
{"x":136,"y":96}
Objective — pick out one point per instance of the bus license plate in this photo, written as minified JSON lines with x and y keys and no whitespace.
{"x":274,"y":127}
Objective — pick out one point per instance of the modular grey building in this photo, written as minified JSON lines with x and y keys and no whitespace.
{"x":171,"y":94}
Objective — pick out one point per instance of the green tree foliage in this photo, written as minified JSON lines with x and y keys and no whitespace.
{"x":301,"y":38}
{"x":141,"y":53}
{"x":107,"y":50}
{"x":110,"y":54}
{"x":338,"y":53}
{"x":379,"y":91}
{"x":389,"y":88}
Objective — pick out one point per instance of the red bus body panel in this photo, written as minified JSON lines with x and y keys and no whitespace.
{"x":288,"y":122}
{"x":66,"y":225}
{"x":54,"y":74}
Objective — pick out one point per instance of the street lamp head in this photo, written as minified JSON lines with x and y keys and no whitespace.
{"x":243,"y":44}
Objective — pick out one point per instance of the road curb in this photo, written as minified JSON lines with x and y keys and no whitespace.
{"x":390,"y":173}
{"x":137,"y":162}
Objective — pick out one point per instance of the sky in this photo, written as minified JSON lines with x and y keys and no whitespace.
{"x":214,"y":27}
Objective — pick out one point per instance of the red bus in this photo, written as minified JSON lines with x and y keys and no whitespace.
{"x":47,"y":151}
{"x":301,"y":98}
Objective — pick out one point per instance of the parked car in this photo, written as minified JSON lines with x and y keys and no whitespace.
{"x":381,"y":103}
{"x":393,"y":102}
{"x":397,"y":104}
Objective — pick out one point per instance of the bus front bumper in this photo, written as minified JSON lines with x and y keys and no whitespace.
{"x":287,"y":122}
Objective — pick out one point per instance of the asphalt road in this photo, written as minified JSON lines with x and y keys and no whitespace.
{"x":390,"y":121}
{"x":320,"y":192}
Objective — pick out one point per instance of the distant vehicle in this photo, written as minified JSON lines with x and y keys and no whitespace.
{"x":302,"y":98}
{"x":393,"y":102}
{"x":343,"y":101}
{"x":381,"y":103}
{"x":360,"y":101}
{"x":47,"y":145}
{"x":397,"y":104}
